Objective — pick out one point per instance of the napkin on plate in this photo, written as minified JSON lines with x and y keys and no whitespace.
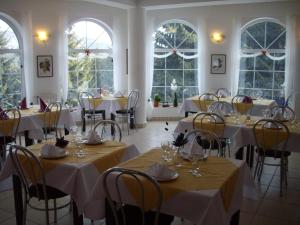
{"x":3,"y":115}
{"x":118,"y":94}
{"x":43,"y":105}
{"x":23,"y":104}
{"x":51,"y":151}
{"x":93,"y":137}
{"x":160,"y":171}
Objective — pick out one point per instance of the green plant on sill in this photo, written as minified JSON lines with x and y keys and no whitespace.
{"x":157,"y":98}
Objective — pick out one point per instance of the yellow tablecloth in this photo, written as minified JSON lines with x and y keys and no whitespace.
{"x":202,"y":104}
{"x":95,"y":102}
{"x":217,"y":173}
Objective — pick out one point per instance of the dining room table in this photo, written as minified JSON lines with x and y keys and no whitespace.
{"x":192,"y":105}
{"x":239,"y":128}
{"x":73,"y":175}
{"x":214,"y":198}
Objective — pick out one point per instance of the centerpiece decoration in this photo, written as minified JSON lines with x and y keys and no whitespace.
{"x":174,"y":89}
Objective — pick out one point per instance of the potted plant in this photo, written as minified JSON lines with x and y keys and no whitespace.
{"x":156,"y":100}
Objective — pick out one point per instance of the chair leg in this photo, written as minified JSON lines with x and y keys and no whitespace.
{"x":261,"y":167}
{"x":228,"y":147}
{"x":55,"y":211}
{"x":256,"y":167}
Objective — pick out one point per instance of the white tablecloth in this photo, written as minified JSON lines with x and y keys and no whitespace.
{"x":258,"y":105}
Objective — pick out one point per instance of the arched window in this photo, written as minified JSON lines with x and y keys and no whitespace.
{"x":10,"y":65}
{"x":90,"y":57}
{"x":175,"y":59}
{"x":262,"y":64}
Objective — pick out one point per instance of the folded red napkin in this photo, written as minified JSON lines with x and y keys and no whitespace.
{"x":23,"y":104}
{"x":3,"y":115}
{"x":43,"y":105}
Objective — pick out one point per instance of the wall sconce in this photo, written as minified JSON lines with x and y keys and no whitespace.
{"x":42,"y":36}
{"x":217,"y":37}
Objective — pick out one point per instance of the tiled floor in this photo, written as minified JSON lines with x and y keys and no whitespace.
{"x":269,"y":209}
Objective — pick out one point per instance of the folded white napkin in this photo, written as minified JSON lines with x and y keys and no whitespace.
{"x":93,"y":137}
{"x":160,"y":171}
{"x":118,"y":94}
{"x":49,"y":150}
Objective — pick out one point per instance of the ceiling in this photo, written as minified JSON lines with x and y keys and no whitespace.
{"x":163,"y":4}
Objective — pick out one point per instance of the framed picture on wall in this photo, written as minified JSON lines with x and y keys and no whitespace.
{"x":218,"y":64}
{"x":44,"y":66}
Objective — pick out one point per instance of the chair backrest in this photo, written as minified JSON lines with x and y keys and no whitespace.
{"x":284,"y":112}
{"x":51,"y":118}
{"x":222,"y":108}
{"x":242,"y":104}
{"x":144,"y":189}
{"x":223,"y":92}
{"x":206,"y":99}
{"x":86,"y":100}
{"x":31,"y":174}
{"x":205,"y":138}
{"x":271,"y":134}
{"x":109,"y":129}
{"x":133,"y":99}
{"x":9,"y":122}
{"x":209,"y":121}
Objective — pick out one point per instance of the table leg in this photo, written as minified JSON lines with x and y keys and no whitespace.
{"x":77,"y":219}
{"x":112,"y":117}
{"x":28,"y":141}
{"x":250,"y":155}
{"x":131,"y":119}
{"x":66,"y":131}
{"x":18,"y":199}
{"x":240,"y":153}
{"x":83,"y":119}
{"x":186,"y":114}
{"x":235,"y":219}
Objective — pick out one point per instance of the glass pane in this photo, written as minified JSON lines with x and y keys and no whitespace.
{"x":190,"y":78}
{"x":10,"y":63}
{"x":190,"y":92}
{"x":258,"y":33}
{"x":280,"y":43}
{"x":267,"y":94}
{"x":104,"y":63}
{"x":246,"y":79}
{"x":160,"y":42}
{"x":159,"y":91}
{"x":97,"y":37}
{"x":190,"y":63}
{"x":247,"y":63}
{"x":263,"y":80}
{"x":72,"y":79}
{"x":174,"y":74}
{"x":105,"y":80}
{"x":77,"y":36}
{"x":159,"y":78}
{"x":278,"y":80}
{"x":92,"y":80}
{"x":243,"y":91}
{"x":11,"y":84}
{"x":273,"y":31}
{"x":264,"y":63}
{"x":247,"y":42}
{"x":159,"y":63}
{"x":174,"y":62}
{"x":8,"y":38}
{"x":186,"y":34}
{"x":279,"y":64}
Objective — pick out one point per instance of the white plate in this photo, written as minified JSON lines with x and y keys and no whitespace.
{"x":97,"y":143}
{"x":172,"y":176}
{"x":54,"y":156}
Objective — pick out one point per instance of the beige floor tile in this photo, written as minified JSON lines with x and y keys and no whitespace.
{"x":5,"y":216}
{"x":249,"y":205}
{"x":13,"y":222}
{"x":290,"y":196}
{"x":246,"y":218}
{"x":293,"y":183}
{"x":263,"y":220}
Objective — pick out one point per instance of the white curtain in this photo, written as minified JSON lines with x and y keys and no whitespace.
{"x":235,"y":55}
{"x":203,"y":60}
{"x":63,"y":57}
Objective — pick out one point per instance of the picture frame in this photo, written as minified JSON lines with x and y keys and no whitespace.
{"x":45,"y":66}
{"x":218,"y":64}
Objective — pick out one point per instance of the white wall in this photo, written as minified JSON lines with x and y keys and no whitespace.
{"x":221,"y":18}
{"x":54,"y":16}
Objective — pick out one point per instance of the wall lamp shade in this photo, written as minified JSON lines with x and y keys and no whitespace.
{"x":42,"y":36}
{"x":217,"y":37}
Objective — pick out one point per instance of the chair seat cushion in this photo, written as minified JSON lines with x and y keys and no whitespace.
{"x":52,"y":193}
{"x":272,"y":153}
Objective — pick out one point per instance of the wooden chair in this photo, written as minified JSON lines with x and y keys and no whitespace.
{"x":89,"y":111}
{"x":32,"y":176}
{"x":271,"y":137}
{"x":206,"y":99}
{"x":285,"y":112}
{"x":51,"y":117}
{"x":240,"y":105}
{"x":146,"y":191}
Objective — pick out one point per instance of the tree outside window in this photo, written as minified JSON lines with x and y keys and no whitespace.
{"x":262,"y":63}
{"x":90,"y":58}
{"x":175,"y":57}
{"x":10,"y":66}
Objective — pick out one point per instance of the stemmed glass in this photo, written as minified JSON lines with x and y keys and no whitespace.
{"x":196,"y":156}
{"x":78,"y":140}
{"x":167,"y":150}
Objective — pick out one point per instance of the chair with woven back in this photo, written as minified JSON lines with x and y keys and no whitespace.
{"x":89,"y":103}
{"x":9,"y":128}
{"x":223,"y":92}
{"x":205,"y":100}
{"x":128,"y":114}
{"x":283,"y":113}
{"x":271,"y":138}
{"x":242,"y":104}
{"x":214,"y":123}
{"x":147,"y":193}
{"x":103,"y":128}
{"x":51,"y":117}
{"x":29,"y":170}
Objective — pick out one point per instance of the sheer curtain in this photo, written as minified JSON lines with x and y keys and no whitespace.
{"x":235,"y":55}
{"x":203,"y":60}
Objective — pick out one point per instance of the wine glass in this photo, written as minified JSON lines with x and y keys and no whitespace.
{"x":166,"y":147}
{"x":196,"y":156}
{"x":78,"y":141}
